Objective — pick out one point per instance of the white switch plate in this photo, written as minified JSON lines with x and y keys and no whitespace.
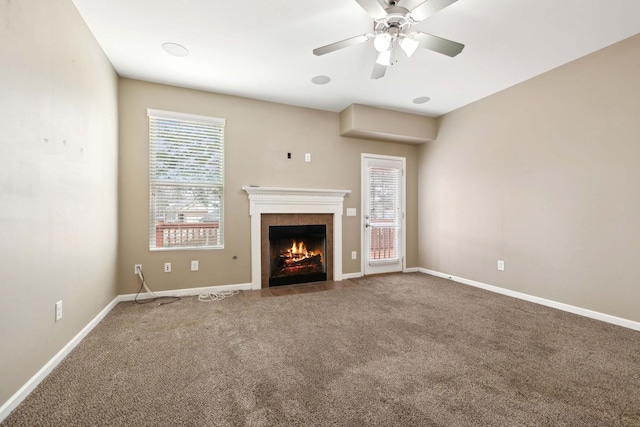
{"x":500,"y":265}
{"x":307,"y":157}
{"x":167,"y":267}
{"x":58,"y":310}
{"x":351,"y":211}
{"x":354,"y":255}
{"x":194,"y":265}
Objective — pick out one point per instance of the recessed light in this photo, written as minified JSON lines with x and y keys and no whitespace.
{"x":175,"y":49}
{"x":421,"y":100}
{"x":320,"y":80}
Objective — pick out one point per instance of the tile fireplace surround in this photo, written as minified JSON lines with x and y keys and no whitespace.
{"x":274,"y":200}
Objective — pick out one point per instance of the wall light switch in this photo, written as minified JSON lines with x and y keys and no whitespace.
{"x":351,"y":211}
{"x":307,"y":157}
{"x":500,"y":265}
{"x":354,"y":255}
{"x":58,"y":310}
{"x":194,"y":265}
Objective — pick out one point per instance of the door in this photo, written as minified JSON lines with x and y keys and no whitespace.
{"x":383,"y":206}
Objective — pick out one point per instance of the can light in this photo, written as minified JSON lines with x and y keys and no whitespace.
{"x":175,"y":49}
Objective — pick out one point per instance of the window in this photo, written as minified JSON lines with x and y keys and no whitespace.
{"x":186,"y":181}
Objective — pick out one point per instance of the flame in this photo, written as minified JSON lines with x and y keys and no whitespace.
{"x":299,"y":249}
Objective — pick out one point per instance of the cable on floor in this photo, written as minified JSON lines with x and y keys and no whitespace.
{"x":150,"y":292}
{"x":216,"y":296}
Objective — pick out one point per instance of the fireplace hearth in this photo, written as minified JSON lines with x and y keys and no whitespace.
{"x":297,"y":254}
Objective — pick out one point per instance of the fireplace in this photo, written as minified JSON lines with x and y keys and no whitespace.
{"x":312,"y":233}
{"x":297,"y":254}
{"x":294,"y":206}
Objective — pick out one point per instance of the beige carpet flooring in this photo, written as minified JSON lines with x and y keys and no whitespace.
{"x":396,"y":350}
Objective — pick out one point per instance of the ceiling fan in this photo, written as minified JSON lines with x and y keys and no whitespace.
{"x":392,"y":30}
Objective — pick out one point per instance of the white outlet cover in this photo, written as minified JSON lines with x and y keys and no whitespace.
{"x":500,"y":265}
{"x":167,"y":267}
{"x":307,"y":157}
{"x":351,"y":211}
{"x":354,"y":255}
{"x":194,"y":265}
{"x":58,"y":310}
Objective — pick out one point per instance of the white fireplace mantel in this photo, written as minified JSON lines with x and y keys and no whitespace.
{"x":276,"y":200}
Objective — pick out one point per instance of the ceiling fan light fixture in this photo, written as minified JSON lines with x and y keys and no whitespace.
{"x":382,"y":42}
{"x":409,"y":45}
{"x":384,"y":58}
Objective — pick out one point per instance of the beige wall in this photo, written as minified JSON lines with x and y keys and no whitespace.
{"x":58,"y":182}
{"x":545,"y":176}
{"x":258,"y":136}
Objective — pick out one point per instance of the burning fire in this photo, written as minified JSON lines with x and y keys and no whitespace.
{"x":298,"y":258}
{"x":299,"y":249}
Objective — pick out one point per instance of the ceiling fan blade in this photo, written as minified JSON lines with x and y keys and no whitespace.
{"x":428,"y":8}
{"x":373,"y":8}
{"x":341,"y":44}
{"x":378,"y":71}
{"x":438,"y":44}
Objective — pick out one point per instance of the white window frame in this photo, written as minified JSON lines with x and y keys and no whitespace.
{"x":190,"y":229}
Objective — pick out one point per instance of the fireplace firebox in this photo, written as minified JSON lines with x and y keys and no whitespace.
{"x":297,"y":254}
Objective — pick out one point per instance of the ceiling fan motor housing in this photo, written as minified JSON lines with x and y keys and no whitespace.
{"x":395,"y":23}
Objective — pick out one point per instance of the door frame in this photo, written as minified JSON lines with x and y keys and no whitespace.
{"x":403,"y":207}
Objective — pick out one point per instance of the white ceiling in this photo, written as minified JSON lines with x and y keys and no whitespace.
{"x":262,"y":49}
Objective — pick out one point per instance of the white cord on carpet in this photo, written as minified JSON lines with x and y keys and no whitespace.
{"x":204,"y":297}
{"x":216,"y":296}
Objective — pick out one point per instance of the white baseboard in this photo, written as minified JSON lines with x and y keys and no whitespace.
{"x":187,"y":292}
{"x":542,"y":301}
{"x":359,"y":274}
{"x":24,"y":391}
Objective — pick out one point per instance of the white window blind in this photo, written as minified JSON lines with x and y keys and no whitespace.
{"x":385,"y":213}
{"x":186,"y":181}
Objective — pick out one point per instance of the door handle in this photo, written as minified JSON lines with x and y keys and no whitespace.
{"x":367,"y":225}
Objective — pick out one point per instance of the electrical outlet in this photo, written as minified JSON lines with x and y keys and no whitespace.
{"x":307,"y":157}
{"x":167,"y":267}
{"x":500,"y":265}
{"x":354,"y":255}
{"x":58,"y":310}
{"x":137,"y":268}
{"x":194,"y":265}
